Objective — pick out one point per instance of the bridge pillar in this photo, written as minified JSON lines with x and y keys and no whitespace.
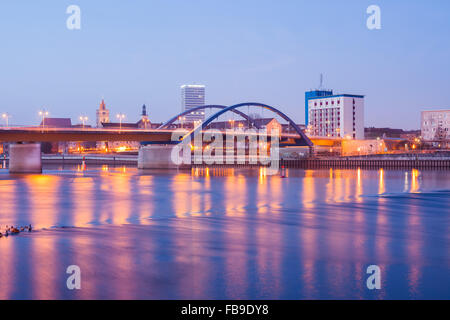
{"x":156,"y":157}
{"x":25,"y":158}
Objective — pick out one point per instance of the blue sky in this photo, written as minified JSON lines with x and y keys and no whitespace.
{"x":135,"y":52}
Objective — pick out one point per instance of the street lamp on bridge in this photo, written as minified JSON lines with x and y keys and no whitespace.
{"x":6,"y":116}
{"x":43,"y":113}
{"x":83,"y":120}
{"x":120,"y":116}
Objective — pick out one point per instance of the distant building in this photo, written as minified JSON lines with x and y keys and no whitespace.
{"x":373,"y":133}
{"x":192,"y":96}
{"x":102,"y":114}
{"x":56,"y":122}
{"x":265,"y":123}
{"x":336,"y":116}
{"x":435,"y":125}
{"x":144,"y":123}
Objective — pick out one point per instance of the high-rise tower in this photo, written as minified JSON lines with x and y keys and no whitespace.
{"x":193,"y":95}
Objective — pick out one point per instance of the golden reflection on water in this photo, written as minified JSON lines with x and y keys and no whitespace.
{"x":381,"y":186}
{"x":414,"y":248}
{"x":9,"y":261}
{"x":7,"y":248}
{"x":44,"y":201}
{"x":414,"y":180}
{"x":359,"y":249}
{"x":234,"y":194}
{"x":82,"y":196}
{"x":83,"y":201}
{"x":406,"y":183}
{"x":308,"y":194}
{"x":359,"y":186}
{"x":121,"y":209}
{"x":146,"y":205}
{"x":192,"y":196}
{"x":43,"y":197}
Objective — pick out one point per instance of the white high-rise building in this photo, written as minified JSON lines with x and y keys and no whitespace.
{"x":193,"y":95}
{"x":435,"y":125}
{"x":336,"y":116}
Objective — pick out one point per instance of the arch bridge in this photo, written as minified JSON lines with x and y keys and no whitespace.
{"x":300,"y":140}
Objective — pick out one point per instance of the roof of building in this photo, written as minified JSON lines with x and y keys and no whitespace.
{"x":57,"y":122}
{"x":444,"y":110}
{"x":263,"y":121}
{"x":338,"y":95}
{"x":113,"y":125}
{"x":81,"y":126}
{"x":193,"y":86}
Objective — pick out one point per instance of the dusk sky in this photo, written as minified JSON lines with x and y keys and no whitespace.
{"x":136,"y":52}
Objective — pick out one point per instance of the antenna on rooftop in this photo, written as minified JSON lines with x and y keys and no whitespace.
{"x":321,"y":81}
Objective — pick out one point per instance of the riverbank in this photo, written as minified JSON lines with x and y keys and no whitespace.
{"x":91,"y":159}
{"x":438,"y":160}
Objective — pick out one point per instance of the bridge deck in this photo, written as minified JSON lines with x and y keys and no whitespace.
{"x":70,"y":134}
{"x":39,"y":134}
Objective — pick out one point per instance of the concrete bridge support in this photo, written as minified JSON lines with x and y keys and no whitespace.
{"x":156,"y":157}
{"x":25,"y":158}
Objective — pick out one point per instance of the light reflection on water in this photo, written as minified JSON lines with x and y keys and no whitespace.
{"x":226,"y":233}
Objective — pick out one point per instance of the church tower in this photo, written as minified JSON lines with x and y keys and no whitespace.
{"x":102,"y":114}
{"x":144,"y":117}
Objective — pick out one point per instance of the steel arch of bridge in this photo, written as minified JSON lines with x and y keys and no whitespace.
{"x":304,"y":140}
{"x":212,"y":106}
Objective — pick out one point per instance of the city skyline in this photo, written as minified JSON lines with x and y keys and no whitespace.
{"x":221,"y":156}
{"x":257,"y":55}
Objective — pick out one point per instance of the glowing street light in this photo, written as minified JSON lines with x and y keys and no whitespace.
{"x":120,"y":116}
{"x":6,"y":116}
{"x":182,"y":119}
{"x":83,"y":120}
{"x":43,"y":114}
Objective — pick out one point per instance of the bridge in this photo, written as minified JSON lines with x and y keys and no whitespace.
{"x":25,"y":153}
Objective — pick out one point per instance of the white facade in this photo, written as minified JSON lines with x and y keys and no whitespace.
{"x":193,"y":95}
{"x":336,"y":116}
{"x":435,"y":125}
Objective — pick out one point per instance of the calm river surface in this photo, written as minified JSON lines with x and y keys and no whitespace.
{"x":226,"y":234}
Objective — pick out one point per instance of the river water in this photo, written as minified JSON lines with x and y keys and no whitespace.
{"x":226,"y":234}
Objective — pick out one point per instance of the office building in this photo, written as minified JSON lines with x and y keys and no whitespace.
{"x":314,"y":94}
{"x":336,"y":116}
{"x":192,"y":96}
